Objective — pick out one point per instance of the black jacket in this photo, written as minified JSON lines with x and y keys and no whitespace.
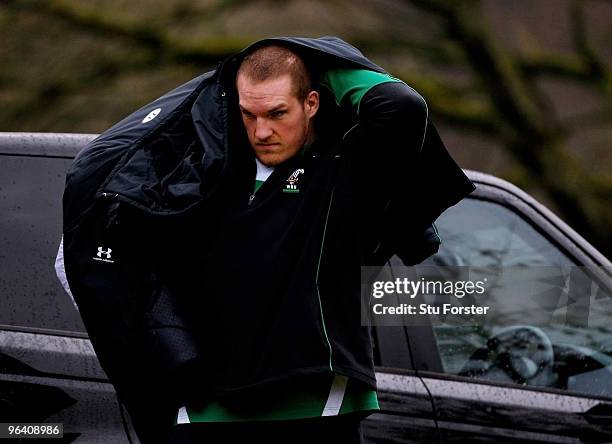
{"x":150,"y":208}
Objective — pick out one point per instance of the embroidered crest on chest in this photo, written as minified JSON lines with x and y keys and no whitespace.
{"x":292,"y":184}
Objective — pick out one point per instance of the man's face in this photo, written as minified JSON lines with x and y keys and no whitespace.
{"x":277,"y":123}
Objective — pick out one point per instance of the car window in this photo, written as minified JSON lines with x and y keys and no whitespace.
{"x":30,"y":230}
{"x":551,"y":325}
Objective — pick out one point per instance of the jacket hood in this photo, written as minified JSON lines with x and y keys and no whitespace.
{"x":167,"y":157}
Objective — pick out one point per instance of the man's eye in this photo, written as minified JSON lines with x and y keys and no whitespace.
{"x":277,"y":114}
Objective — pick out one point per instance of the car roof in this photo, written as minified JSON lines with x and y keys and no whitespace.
{"x":63,"y":145}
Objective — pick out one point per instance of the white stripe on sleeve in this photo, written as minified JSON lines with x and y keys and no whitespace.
{"x":182,"y":417}
{"x":336,"y":395}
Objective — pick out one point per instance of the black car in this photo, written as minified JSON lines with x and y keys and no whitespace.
{"x":438,"y":382}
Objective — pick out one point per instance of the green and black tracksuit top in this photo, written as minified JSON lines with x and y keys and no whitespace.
{"x":252,"y":243}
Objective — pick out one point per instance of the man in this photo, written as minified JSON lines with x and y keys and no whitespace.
{"x":266,"y":185}
{"x":278,"y":107}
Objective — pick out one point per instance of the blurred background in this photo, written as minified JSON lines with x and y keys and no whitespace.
{"x":518,"y":88}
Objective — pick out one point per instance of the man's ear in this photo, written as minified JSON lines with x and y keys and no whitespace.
{"x":311,"y":104}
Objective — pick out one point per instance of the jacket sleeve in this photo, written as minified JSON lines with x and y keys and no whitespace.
{"x":348,"y":86}
{"x":411,"y":177}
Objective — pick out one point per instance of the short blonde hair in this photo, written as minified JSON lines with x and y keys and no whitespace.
{"x":273,"y":61}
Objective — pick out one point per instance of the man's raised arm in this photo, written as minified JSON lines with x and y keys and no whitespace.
{"x":403,"y":158}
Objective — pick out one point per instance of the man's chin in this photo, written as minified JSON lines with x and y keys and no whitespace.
{"x":269,"y":158}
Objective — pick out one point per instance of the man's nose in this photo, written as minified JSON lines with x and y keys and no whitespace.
{"x":263,"y":129}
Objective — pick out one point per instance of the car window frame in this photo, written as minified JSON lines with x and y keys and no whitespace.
{"x":491,"y":189}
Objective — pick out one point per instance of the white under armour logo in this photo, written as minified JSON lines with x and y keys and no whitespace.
{"x":101,"y":251}
{"x":106,"y":253}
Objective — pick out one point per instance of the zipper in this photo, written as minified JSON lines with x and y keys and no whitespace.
{"x":254,"y":193}
{"x":112,"y":204}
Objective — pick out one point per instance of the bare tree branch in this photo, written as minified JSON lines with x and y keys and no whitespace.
{"x":596,"y":67}
{"x":164,"y":48}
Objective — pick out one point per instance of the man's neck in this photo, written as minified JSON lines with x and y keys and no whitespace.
{"x":310,"y":139}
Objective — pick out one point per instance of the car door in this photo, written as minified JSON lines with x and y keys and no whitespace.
{"x":406,"y":409}
{"x":540,"y":370}
{"x":48,"y":369}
